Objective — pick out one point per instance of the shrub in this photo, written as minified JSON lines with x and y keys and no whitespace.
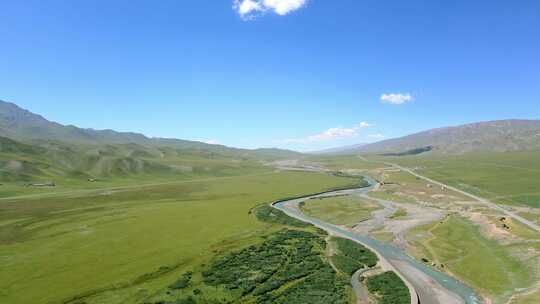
{"x":389,"y":288}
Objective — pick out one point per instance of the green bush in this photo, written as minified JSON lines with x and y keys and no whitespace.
{"x":389,"y":288}
{"x":288,"y":267}
{"x":182,"y":282}
{"x":273,"y":215}
{"x":346,"y":264}
{"x":357,"y":252}
{"x":352,"y":256}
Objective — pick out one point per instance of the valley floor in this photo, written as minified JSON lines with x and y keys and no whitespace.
{"x":126,"y":243}
{"x":130,"y":241}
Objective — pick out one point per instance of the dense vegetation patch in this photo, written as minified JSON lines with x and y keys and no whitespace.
{"x":346,"y":264}
{"x":182,"y":282}
{"x":362,"y":182}
{"x":389,"y":288}
{"x":352,"y":256}
{"x":288,"y":267}
{"x":272,"y":215}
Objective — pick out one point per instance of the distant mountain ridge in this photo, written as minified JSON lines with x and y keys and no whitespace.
{"x":489,"y":136}
{"x":34,"y":149}
{"x":22,"y":125}
{"x":338,"y":150}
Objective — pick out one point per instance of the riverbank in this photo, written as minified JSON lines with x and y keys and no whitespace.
{"x":426,"y":284}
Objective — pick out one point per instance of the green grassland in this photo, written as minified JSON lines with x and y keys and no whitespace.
{"x":342,"y":210}
{"x":465,"y":252}
{"x":533,"y":217}
{"x":390,"y":195}
{"x":155,"y":219}
{"x":71,"y":167}
{"x":533,"y":298}
{"x":286,"y":266}
{"x":508,"y":178}
{"x":84,"y":166}
{"x":125,"y":243}
{"x":400,"y":186}
{"x":341,"y":162}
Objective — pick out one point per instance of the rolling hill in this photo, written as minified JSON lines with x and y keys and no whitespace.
{"x":490,"y":136}
{"x":33,"y":148}
{"x":22,"y":125}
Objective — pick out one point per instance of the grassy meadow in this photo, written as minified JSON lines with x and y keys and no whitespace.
{"x":341,"y":210}
{"x":532,"y":298}
{"x":341,"y":162}
{"x":155,"y":214}
{"x":483,"y":263}
{"x":122,"y":243}
{"x":390,"y":196}
{"x":73,"y":167}
{"x":507,"y":178}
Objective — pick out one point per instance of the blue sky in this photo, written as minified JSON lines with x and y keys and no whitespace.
{"x":295,"y":74}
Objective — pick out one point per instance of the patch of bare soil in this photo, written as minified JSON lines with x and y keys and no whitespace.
{"x":488,"y":228}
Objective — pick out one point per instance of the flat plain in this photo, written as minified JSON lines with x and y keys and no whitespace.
{"x":346,"y":210}
{"x":123,"y":243}
{"x":464,"y":251}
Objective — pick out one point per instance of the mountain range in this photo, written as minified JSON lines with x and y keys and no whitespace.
{"x":34,"y":148}
{"x":489,"y":136}
{"x":22,"y":125}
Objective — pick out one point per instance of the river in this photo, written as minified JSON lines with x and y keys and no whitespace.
{"x":408,"y":267}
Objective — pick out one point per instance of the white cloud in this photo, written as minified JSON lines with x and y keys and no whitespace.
{"x":396,"y":99}
{"x":364,"y":124}
{"x":332,"y":134}
{"x":283,"y":7}
{"x":248,"y":9}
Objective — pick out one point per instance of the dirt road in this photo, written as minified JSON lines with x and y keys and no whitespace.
{"x":477,"y":198}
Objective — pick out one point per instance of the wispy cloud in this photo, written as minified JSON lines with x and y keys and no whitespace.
{"x":331,"y":134}
{"x":396,"y":98}
{"x":376,"y":136}
{"x":249,"y":9}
